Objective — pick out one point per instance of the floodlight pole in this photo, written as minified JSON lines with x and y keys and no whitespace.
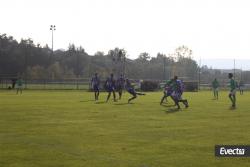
{"x":77,"y":68}
{"x":234,"y":68}
{"x":199,"y":74}
{"x":52,"y":28}
{"x":124,"y":66}
{"x":25,"y":68}
{"x":241,"y":74}
{"x":164,"y":68}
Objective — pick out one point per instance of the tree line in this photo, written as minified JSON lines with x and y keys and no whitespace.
{"x":33,"y":61}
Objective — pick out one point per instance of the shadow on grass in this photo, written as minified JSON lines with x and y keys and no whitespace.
{"x":232,"y":108}
{"x":172,"y":110}
{"x":100,"y":102}
{"x":121,"y":104}
{"x":85,"y":101}
{"x":168,"y":105}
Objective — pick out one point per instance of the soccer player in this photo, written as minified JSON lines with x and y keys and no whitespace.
{"x":215,"y":86}
{"x":95,"y":82}
{"x":232,"y":93}
{"x":168,"y":90}
{"x":177,"y":93}
{"x":131,"y":90}
{"x":241,"y":87}
{"x":120,"y":86}
{"x":110,"y":87}
{"x":19,"y":85}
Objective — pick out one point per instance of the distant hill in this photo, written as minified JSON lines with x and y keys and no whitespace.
{"x":226,"y":64}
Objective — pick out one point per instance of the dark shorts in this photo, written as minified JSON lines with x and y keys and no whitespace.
{"x":132,"y":92}
{"x":168,"y":93}
{"x":119,"y":88}
{"x":110,"y":89}
{"x":96,"y":88}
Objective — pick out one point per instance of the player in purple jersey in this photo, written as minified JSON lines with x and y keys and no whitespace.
{"x":110,"y":87}
{"x":95,"y":82}
{"x":177,"y":93}
{"x":120,"y":86}
{"x":131,"y":90}
{"x":168,"y":90}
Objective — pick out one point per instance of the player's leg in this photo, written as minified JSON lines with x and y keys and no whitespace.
{"x":114,"y":95}
{"x":163,"y":97}
{"x":234,"y":100}
{"x":216,"y":94}
{"x":132,"y":98}
{"x":185,"y":102}
{"x":177,"y":103}
{"x":174,"y":96}
{"x":109,"y":93}
{"x":97,"y":94}
{"x":141,"y":94}
{"x":231,"y":98}
{"x":120,"y":93}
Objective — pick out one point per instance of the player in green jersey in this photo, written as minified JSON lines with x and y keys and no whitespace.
{"x":19,"y":86}
{"x":215,"y":87}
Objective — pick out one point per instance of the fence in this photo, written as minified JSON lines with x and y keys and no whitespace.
{"x":66,"y":84}
{"x":84,"y":84}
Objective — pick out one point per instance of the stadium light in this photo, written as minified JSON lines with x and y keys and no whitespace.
{"x":52,"y":28}
{"x":199,"y":84}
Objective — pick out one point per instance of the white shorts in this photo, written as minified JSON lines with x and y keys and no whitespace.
{"x":19,"y":87}
{"x":216,"y":89}
{"x":233,"y":92}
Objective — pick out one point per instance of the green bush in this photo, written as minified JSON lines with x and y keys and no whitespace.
{"x":149,"y":85}
{"x":191,"y":86}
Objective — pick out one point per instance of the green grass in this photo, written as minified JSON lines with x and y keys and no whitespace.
{"x":67,"y":128}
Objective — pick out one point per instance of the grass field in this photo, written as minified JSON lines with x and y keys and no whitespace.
{"x":68,"y":129}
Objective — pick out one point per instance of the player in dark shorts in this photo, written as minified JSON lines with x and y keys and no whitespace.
{"x":168,"y":90}
{"x":120,"y":86}
{"x":177,"y":93}
{"x":131,"y":90}
{"x":215,"y":87}
{"x":110,"y":87}
{"x":232,"y":93}
{"x":95,"y":82}
{"x":241,"y":87}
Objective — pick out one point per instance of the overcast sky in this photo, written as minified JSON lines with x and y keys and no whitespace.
{"x":211,"y":28}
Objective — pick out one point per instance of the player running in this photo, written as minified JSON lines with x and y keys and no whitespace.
{"x":168,"y":90}
{"x":95,"y":83}
{"x":215,"y":87}
{"x":120,"y":86}
{"x":110,"y":87}
{"x":177,"y":93}
{"x":131,"y":90}
{"x":232,"y":93}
